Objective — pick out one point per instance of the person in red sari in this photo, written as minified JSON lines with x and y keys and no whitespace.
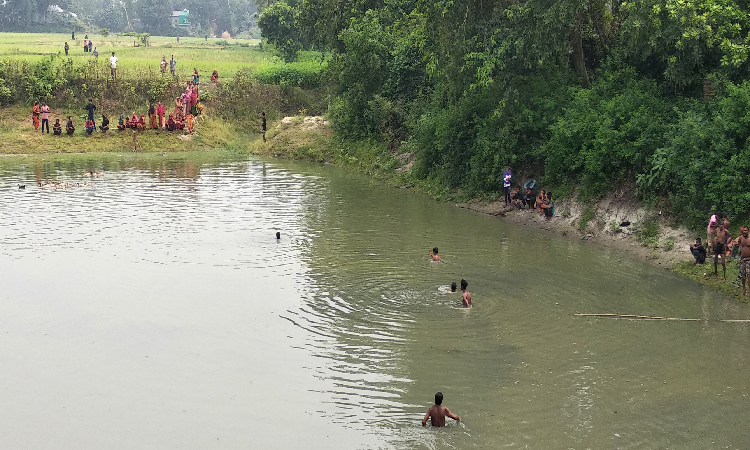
{"x":142,"y":123}
{"x":215,"y":76}
{"x":193,"y":99}
{"x":152,"y":116}
{"x":35,"y":111}
{"x":133,"y":122}
{"x":160,"y":113}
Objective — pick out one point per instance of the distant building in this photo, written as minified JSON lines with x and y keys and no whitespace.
{"x":180,"y":18}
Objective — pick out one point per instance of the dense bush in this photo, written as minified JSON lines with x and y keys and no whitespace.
{"x":306,"y":74}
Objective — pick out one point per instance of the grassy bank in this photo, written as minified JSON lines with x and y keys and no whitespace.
{"x":17,"y":136}
{"x":704,"y":274}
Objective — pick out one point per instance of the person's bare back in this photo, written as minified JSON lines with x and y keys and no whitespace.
{"x":466,"y":297}
{"x":437,"y":412}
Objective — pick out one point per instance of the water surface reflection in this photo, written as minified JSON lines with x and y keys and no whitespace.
{"x":156,"y":307}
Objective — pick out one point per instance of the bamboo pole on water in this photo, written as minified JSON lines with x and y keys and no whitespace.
{"x":641,"y":317}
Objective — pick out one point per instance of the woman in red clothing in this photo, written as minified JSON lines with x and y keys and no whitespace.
{"x":35,"y":111}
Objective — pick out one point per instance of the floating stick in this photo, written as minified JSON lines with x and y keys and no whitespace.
{"x":639,"y":317}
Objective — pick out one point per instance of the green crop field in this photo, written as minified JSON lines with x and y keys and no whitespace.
{"x":206,"y":55}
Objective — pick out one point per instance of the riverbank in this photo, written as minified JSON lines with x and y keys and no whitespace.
{"x":617,"y":221}
{"x":17,"y":136}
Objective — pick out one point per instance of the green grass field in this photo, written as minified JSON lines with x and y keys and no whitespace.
{"x":205,"y":55}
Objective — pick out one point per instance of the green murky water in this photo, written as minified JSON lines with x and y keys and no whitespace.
{"x":153,"y":308}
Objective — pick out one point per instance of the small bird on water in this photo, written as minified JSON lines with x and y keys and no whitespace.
{"x":21,"y":186}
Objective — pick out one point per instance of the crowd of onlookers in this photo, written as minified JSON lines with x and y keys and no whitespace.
{"x":526,"y":196}
{"x":186,"y":108}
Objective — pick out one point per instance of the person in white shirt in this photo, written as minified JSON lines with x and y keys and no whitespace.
{"x":113,"y":63}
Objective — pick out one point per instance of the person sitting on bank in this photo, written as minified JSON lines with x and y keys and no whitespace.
{"x":518,"y":199}
{"x":171,"y":125}
{"x":437,"y":412}
{"x":215,"y":76}
{"x":70,"y":127}
{"x":540,"y":200}
{"x":121,"y":123}
{"x":133,"y":122}
{"x":90,"y":127}
{"x":105,"y":124}
{"x":142,"y":122}
{"x":698,"y":251}
{"x":548,"y":208}
{"x":57,"y":128}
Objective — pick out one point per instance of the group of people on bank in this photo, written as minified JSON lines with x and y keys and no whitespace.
{"x":723,"y":245}
{"x":526,"y":196}
{"x":187,"y":107}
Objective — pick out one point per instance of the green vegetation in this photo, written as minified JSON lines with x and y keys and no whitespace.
{"x":586,"y":217}
{"x":588,"y":97}
{"x":647,"y":231}
{"x":704,"y":274}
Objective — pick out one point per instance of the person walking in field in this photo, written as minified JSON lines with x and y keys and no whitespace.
{"x":67,"y":47}
{"x":85,"y":45}
{"x":96,"y":54}
{"x":163,"y":65}
{"x":172,"y":65}
{"x":91,"y":44}
{"x":113,"y":65}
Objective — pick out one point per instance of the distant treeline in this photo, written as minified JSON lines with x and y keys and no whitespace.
{"x":648,"y":96}
{"x":150,"y":16}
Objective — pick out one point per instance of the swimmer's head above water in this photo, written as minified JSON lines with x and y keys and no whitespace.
{"x":464,"y":284}
{"x":453,"y":287}
{"x":434,"y":250}
{"x":438,"y":398}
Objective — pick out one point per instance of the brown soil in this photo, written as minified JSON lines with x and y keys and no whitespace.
{"x":604,"y":228}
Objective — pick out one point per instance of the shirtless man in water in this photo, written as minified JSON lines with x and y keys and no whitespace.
{"x":744,"y":242}
{"x":434,"y":254}
{"x":437,"y":413}
{"x":466,"y":297}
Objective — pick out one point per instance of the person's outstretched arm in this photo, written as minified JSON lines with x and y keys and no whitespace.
{"x":451,"y":415}
{"x":426,"y":416}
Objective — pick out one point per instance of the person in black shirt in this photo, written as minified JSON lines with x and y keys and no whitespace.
{"x":91,"y":108}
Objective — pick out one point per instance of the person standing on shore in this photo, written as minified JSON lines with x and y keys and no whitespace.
{"x":507,"y":177}
{"x":720,"y":237}
{"x":35,"y":111}
{"x":152,"y":116}
{"x":160,"y":114}
{"x":172,"y":65}
{"x":744,"y":242}
{"x":45,"y":117}
{"x":163,"y":65}
{"x":90,"y":108}
{"x":437,"y":412}
{"x":263,"y":125}
{"x":67,"y":47}
{"x":113,"y":65}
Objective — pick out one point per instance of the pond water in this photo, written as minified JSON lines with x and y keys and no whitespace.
{"x":154,"y":308}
